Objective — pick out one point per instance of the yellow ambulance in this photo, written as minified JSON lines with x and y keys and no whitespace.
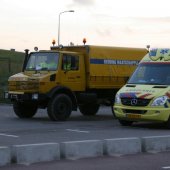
{"x":146,"y":96}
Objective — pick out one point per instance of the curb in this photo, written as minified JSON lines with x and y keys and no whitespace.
{"x":156,"y":143}
{"x":5,"y":156}
{"x":27,"y":154}
{"x":32,"y":153}
{"x":122,"y":146}
{"x":81,"y":149}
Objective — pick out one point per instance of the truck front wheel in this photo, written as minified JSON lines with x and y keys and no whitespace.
{"x":89,"y":109}
{"x":60,"y":107}
{"x":24,"y":110}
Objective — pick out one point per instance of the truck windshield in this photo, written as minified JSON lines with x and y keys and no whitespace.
{"x":151,"y":73}
{"x":42,"y":61}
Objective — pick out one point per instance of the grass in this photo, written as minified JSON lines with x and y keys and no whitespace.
{"x":10,"y":63}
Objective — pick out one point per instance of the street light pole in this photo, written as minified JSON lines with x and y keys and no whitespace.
{"x":59,"y":24}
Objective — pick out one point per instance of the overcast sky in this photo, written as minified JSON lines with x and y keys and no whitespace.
{"x":132,"y":23}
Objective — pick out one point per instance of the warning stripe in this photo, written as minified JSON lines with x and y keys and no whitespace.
{"x":137,"y":95}
{"x":144,"y":96}
{"x":128,"y":95}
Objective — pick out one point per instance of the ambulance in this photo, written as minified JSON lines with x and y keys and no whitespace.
{"x":146,"y":96}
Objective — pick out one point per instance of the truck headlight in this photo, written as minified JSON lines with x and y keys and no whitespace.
{"x":160,"y":101}
{"x":35,"y":96}
{"x":6,"y":95}
{"x":117,"y":99}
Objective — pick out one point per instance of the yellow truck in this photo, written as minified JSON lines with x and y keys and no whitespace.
{"x":64,"y":79}
{"x":146,"y":96}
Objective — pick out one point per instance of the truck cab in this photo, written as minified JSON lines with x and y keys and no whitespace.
{"x":46,"y":73}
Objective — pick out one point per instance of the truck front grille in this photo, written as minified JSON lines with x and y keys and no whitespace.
{"x":135,"y":101}
{"x":23,"y":85}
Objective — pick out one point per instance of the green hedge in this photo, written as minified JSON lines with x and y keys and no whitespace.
{"x":10,"y":63}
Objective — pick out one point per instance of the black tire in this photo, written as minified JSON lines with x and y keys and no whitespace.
{"x":25,"y":110}
{"x":59,"y":108}
{"x":125,"y":122}
{"x":168,"y":123}
{"x":89,"y":109}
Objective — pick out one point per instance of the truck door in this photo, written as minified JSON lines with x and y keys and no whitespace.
{"x":73,"y":72}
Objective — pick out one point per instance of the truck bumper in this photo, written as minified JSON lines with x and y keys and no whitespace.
{"x":20,"y":96}
{"x":146,"y":114}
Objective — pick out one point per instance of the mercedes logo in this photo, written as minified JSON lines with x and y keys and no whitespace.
{"x":134,"y":102}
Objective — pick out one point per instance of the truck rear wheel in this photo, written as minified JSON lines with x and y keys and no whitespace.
{"x":125,"y":122}
{"x":89,"y":109}
{"x":24,"y":110}
{"x":59,"y":108}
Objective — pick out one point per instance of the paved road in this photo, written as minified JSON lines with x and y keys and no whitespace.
{"x":41,"y":130}
{"x":159,"y":161}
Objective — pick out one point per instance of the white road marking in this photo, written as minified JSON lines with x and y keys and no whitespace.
{"x":76,"y":130}
{"x":166,"y":167}
{"x":13,"y":136}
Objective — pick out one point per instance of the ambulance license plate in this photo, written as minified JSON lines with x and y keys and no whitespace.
{"x":133,"y":116}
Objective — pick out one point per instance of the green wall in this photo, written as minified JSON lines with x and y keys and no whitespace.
{"x":10,"y":63}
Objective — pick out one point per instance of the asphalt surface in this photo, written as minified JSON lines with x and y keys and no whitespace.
{"x":15,"y":131}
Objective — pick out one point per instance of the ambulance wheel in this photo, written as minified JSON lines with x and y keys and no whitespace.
{"x":125,"y":122}
{"x":168,"y":123}
{"x":89,"y":109}
{"x":24,"y":110}
{"x":59,"y":108}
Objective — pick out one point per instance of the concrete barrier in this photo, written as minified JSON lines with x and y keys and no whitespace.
{"x":81,"y":149}
{"x":27,"y":154}
{"x":122,"y":146}
{"x":32,"y":153}
{"x":155,"y":143}
{"x":5,"y":156}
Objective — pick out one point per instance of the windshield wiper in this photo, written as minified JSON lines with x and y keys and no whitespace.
{"x":155,"y":84}
{"x":44,"y":68}
{"x":30,"y":69}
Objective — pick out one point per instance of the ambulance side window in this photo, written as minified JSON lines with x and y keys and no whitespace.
{"x":70,"y":62}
